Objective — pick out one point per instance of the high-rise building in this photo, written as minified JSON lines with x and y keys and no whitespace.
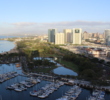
{"x":85,"y":35}
{"x":67,"y":35}
{"x":51,"y":35}
{"x":101,"y":36}
{"x":90,"y":35}
{"x":59,"y":38}
{"x":95,"y":35}
{"x":107,"y":37}
{"x":77,"y":36}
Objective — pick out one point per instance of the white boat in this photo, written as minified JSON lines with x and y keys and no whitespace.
{"x":28,"y":85}
{"x":101,"y":95}
{"x":34,"y":93}
{"x":95,"y":92}
{"x":97,"y":95}
{"x":43,"y":95}
{"x":15,"y":74}
{"x":23,"y":82}
{"x":14,"y":85}
{"x":23,"y":87}
{"x":73,"y":97}
{"x":38,"y":80}
{"x":34,"y":82}
{"x":61,"y":83}
{"x":63,"y":98}
{"x":19,"y":68}
{"x":92,"y":98}
{"x":18,"y":89}
{"x":9,"y":87}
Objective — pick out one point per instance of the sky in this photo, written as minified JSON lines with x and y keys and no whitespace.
{"x":37,"y":16}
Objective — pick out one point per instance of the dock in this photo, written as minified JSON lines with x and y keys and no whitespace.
{"x":81,"y":83}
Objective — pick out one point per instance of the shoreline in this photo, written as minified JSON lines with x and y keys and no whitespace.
{"x":13,"y":50}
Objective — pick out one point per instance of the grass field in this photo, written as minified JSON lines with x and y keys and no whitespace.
{"x":69,"y":65}
{"x":44,"y":70}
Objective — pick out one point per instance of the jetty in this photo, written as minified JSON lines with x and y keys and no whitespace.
{"x":81,"y":83}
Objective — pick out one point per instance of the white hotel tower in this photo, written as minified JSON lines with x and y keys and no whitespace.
{"x":77,"y":36}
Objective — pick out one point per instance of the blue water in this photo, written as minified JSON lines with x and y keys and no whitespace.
{"x":13,"y":95}
{"x":6,"y":46}
{"x":60,"y":70}
{"x":64,"y":71}
{"x":1,"y":37}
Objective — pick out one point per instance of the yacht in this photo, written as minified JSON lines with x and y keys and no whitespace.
{"x":10,"y":88}
{"x":44,"y":95}
{"x":18,"y":89}
{"x":63,"y":98}
{"x":34,"y":93}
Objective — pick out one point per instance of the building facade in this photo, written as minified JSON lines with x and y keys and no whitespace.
{"x":59,"y":38}
{"x":107,"y":37}
{"x":51,"y":35}
{"x":77,"y":36}
{"x":67,"y":35}
{"x":85,"y":35}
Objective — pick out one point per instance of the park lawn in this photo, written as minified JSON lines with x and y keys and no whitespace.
{"x":48,"y":55}
{"x":69,"y":65}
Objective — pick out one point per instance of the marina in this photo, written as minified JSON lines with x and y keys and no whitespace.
{"x":7,"y":76}
{"x":34,"y":86}
{"x":37,"y":88}
{"x":54,"y":50}
{"x":23,"y":85}
{"x":72,"y":93}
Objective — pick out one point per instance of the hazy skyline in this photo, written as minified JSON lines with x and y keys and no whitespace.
{"x":37,"y":16}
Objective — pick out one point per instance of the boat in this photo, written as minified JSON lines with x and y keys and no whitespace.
{"x":23,"y":82}
{"x":63,"y":98}
{"x":10,"y":88}
{"x":17,"y":65}
{"x":97,"y":95}
{"x":44,"y":95}
{"x":18,"y":89}
{"x":38,"y":80}
{"x":34,"y":82}
{"x":101,"y":95}
{"x":73,"y":97}
{"x":23,"y":87}
{"x":19,"y":68}
{"x":72,"y":93}
{"x":95,"y":92}
{"x":34,"y":93}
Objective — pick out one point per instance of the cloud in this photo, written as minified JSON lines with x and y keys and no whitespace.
{"x":42,"y":28}
{"x":24,"y":24}
{"x":90,"y":26}
{"x":64,"y":24}
{"x":74,"y":23}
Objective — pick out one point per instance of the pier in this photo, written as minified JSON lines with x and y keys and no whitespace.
{"x":81,"y":83}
